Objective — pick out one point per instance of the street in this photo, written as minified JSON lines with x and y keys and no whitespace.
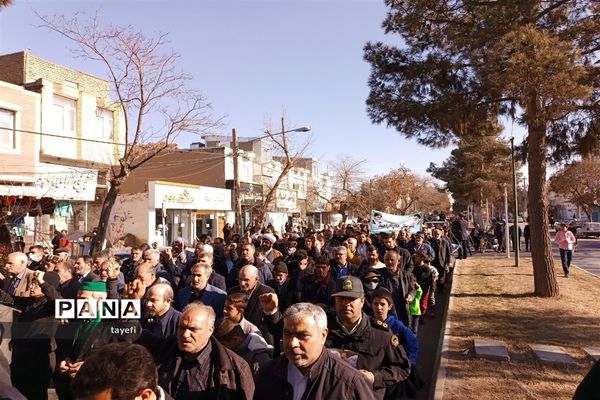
{"x":586,"y":255}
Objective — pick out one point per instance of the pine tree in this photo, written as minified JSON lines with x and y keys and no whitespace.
{"x":462,"y":63}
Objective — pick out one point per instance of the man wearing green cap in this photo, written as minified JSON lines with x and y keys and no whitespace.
{"x":92,"y":334}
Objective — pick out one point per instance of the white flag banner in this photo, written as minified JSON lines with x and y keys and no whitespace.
{"x":384,"y":222}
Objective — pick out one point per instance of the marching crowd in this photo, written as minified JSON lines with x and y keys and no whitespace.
{"x":301,"y":315}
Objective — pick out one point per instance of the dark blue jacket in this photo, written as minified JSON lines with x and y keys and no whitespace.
{"x":212,"y":296}
{"x":164,"y":327}
{"x":407,"y":338}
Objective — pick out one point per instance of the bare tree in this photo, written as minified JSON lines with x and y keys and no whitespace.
{"x":288,"y":158}
{"x":5,"y":3}
{"x":401,"y":191}
{"x":348,"y":175}
{"x":150,"y":92}
{"x":579,"y":182}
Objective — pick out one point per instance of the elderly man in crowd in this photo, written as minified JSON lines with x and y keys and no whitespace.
{"x":206,"y":255}
{"x":152,"y":256}
{"x":194,"y":365}
{"x":19,"y":276}
{"x":353,"y":256}
{"x":365,"y":343}
{"x":340,"y":265}
{"x":308,"y":370}
{"x":250,"y":285}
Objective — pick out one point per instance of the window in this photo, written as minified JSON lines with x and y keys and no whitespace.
{"x":64,"y":112}
{"x":7,"y":129}
{"x":105,"y":124}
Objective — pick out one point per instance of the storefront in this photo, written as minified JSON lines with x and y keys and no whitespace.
{"x":52,"y":200}
{"x":187,"y":211}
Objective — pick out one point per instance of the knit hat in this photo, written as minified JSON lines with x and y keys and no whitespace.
{"x":280,"y":267}
{"x":52,"y":279}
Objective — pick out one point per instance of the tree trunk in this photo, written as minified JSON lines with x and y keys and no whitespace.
{"x":107,"y":206}
{"x":544,"y":276}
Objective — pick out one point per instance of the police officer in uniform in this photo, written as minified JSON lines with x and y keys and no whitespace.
{"x":365,"y":342}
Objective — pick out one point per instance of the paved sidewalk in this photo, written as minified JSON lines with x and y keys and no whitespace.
{"x":492,"y":302}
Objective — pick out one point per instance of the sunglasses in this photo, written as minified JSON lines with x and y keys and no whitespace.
{"x":372,"y":280}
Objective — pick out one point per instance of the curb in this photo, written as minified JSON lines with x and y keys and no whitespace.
{"x":442,"y":362}
{"x":585,"y":270}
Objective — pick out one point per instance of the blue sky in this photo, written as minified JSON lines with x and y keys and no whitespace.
{"x":255,"y":60}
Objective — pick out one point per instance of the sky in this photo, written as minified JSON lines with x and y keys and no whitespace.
{"x":255,"y":61}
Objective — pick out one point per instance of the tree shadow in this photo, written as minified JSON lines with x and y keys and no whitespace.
{"x":493,"y":295}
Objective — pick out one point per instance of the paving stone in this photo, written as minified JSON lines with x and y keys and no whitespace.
{"x":491,"y":350}
{"x":552,"y":355}
{"x":593,"y":352}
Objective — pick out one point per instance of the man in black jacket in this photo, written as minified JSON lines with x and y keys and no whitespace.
{"x":459,"y":230}
{"x":248,"y":257}
{"x":196,"y":365}
{"x":251,"y":287}
{"x":399,"y":283}
{"x":365,"y":343}
{"x":443,"y":255}
{"x":404,"y":257}
{"x":308,"y":370}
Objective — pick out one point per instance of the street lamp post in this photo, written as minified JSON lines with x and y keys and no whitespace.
{"x":237,"y":204}
{"x":516,"y":238}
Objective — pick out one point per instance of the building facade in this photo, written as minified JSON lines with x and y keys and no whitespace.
{"x":60,"y":134}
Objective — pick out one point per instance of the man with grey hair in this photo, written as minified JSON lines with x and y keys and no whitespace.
{"x":201,"y":290}
{"x":364,"y":342}
{"x":308,"y":368}
{"x":340,"y":266}
{"x":152,"y":256}
{"x":19,"y":276}
{"x":216,"y":279}
{"x":194,"y":365}
{"x":206,"y":253}
{"x":353,"y":255}
{"x":175,"y":259}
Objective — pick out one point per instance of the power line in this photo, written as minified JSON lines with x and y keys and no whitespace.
{"x":60,"y":136}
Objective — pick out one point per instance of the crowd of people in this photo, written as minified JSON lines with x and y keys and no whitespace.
{"x":301,"y":314}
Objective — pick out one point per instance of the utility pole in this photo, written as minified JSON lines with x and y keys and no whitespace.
{"x":516,"y":238}
{"x":237,"y":205}
{"x":506,"y":227}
